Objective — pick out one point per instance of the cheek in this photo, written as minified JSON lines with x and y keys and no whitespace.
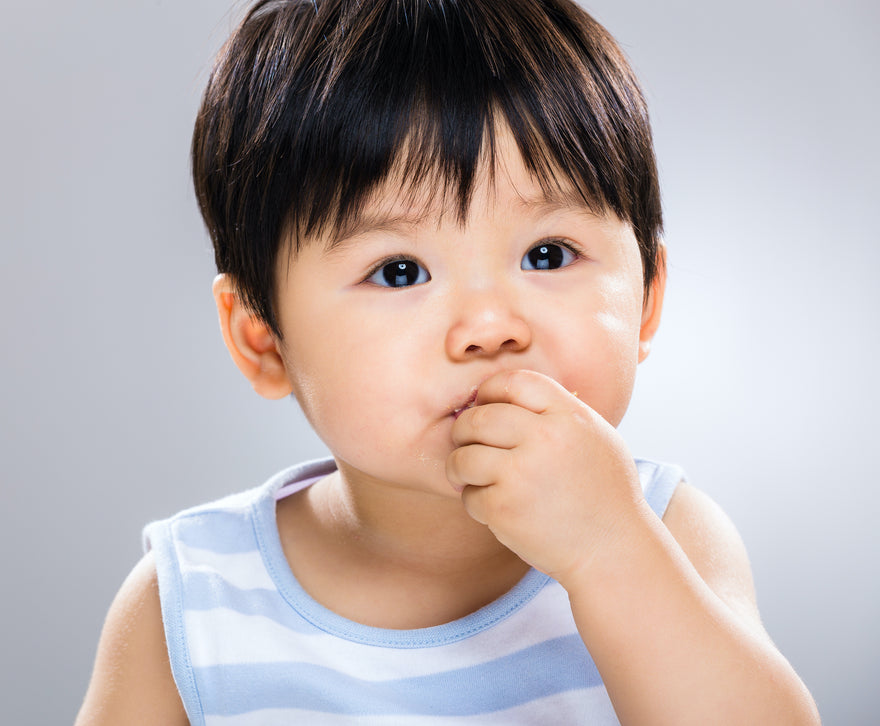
{"x":597,"y":353}
{"x":353,"y":382}
{"x":604,"y":375}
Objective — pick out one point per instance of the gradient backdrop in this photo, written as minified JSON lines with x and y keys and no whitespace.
{"x":119,"y":404}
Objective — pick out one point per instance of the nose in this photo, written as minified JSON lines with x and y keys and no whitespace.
{"x":486,"y":323}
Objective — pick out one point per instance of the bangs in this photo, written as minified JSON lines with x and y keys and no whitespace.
{"x":417,"y":94}
{"x":334,"y":100}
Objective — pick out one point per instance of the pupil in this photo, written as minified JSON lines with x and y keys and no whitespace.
{"x":546,"y":257}
{"x":400,"y":274}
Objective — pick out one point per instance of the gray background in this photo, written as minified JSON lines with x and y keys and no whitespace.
{"x":120,"y":404}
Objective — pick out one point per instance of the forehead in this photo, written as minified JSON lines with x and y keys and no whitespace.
{"x":502,"y":183}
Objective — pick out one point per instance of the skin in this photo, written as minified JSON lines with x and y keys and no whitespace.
{"x":473,"y":416}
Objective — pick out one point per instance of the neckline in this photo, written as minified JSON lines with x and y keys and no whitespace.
{"x":326,"y":620}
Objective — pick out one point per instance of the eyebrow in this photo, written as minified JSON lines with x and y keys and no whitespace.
{"x":559,"y":199}
{"x":390,"y":221}
{"x":383,"y":221}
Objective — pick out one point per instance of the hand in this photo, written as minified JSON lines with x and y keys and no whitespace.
{"x":547,"y":474}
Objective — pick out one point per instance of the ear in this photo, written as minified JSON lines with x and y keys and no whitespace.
{"x":653,"y":306}
{"x":251,"y":343}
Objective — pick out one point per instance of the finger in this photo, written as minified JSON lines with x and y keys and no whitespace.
{"x":529,"y":389}
{"x":494,"y":424}
{"x":475,"y":503}
{"x":475,"y":465}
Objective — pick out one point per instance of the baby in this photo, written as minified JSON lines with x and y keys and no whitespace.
{"x":437,"y":225}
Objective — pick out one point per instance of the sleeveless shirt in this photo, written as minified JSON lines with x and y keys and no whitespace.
{"x":249,"y":646}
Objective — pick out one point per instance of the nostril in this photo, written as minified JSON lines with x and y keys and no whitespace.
{"x":508,"y":344}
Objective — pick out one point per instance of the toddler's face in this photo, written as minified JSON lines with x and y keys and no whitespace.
{"x":388,"y":334}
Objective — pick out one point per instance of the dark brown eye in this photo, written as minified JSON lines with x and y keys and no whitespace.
{"x":399,"y":273}
{"x":547,"y":256}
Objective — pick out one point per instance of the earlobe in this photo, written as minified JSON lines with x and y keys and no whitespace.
{"x":251,"y":343}
{"x":653,"y":307}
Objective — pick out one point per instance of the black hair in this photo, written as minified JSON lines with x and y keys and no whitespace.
{"x":313,"y":104}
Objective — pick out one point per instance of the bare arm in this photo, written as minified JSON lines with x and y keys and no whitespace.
{"x":666,"y":610}
{"x":673,"y":620}
{"x":132,"y":682}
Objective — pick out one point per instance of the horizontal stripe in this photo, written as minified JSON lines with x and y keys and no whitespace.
{"x":591,"y":706}
{"x":256,"y":638}
{"x":253,"y":654}
{"x":245,"y":570}
{"x":552,"y":667}
{"x":206,"y":592}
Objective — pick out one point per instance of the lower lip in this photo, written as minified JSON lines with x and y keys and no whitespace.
{"x":468,"y":404}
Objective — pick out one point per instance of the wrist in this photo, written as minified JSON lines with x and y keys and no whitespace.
{"x":613,"y":550}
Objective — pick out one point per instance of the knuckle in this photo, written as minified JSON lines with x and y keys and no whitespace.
{"x":553,"y":433}
{"x":517,"y":380}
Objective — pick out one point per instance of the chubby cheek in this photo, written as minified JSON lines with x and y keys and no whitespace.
{"x":599,"y":363}
{"x":611,"y":398}
{"x":359,"y":393}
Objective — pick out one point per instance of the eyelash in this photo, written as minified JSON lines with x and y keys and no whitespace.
{"x":422,"y":272}
{"x":402,"y":259}
{"x":565,"y":247}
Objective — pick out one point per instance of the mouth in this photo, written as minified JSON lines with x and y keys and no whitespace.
{"x":456,"y":412}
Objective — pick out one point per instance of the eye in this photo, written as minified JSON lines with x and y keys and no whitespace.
{"x":399,"y":273}
{"x":548,"y":256}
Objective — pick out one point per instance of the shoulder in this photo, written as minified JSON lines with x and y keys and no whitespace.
{"x":132,"y":681}
{"x":237,"y":508}
{"x":714,"y":547}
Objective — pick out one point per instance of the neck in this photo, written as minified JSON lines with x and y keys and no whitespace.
{"x":407,"y":527}
{"x":392,"y":557}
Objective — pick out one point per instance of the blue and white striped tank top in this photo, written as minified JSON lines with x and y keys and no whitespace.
{"x":248,"y":646}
